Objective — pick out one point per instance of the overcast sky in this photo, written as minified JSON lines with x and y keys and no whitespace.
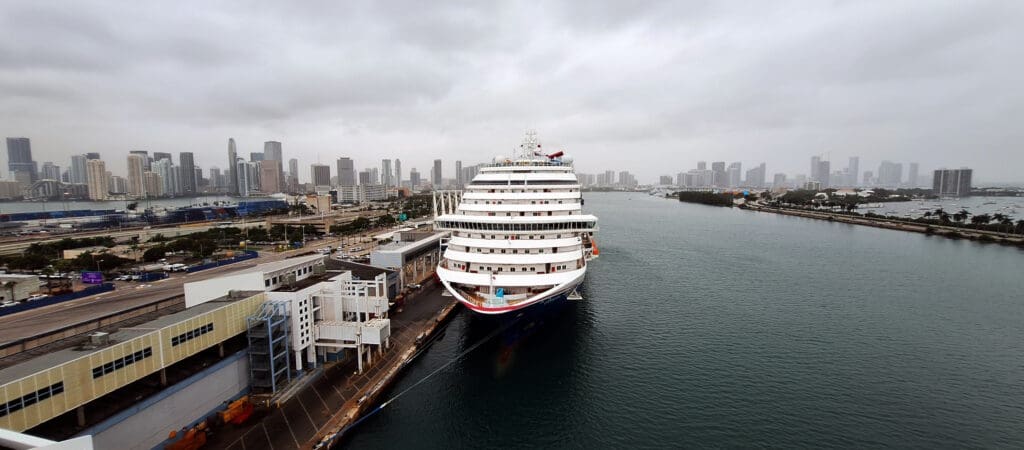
{"x":650,"y":87}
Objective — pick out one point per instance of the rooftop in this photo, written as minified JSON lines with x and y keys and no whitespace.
{"x":74,"y":348}
{"x":411,"y":240}
{"x":359,"y":271}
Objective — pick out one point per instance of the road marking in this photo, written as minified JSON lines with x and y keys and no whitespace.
{"x":289,"y":424}
{"x":269,"y":442}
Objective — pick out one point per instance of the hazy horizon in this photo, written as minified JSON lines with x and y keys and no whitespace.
{"x":649,"y":87}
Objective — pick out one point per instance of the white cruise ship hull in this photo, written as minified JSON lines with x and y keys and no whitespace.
{"x":553,"y":295}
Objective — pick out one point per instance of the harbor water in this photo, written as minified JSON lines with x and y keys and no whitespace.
{"x":716,"y":327}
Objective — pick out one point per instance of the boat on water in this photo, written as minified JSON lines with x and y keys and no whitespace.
{"x":519,"y":237}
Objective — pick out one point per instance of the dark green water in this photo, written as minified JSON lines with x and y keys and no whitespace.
{"x":712,"y":327}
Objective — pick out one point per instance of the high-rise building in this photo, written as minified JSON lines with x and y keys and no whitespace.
{"x":255,"y":156}
{"x":869,"y":178}
{"x":385,"y":172}
{"x":232,"y":165}
{"x":702,"y":165}
{"x":215,"y":178}
{"x":414,"y":178}
{"x":92,"y":155}
{"x":320,"y":175}
{"x":153,"y":184}
{"x":164,"y":168}
{"x":733,"y":174}
{"x":890,"y":174}
{"x":779,"y":180}
{"x":189,"y":181}
{"x":293,"y":174}
{"x":272,"y":151}
{"x":77,"y":173}
{"x":97,"y":180}
{"x":346,"y":172}
{"x":146,"y":161}
{"x":459,"y":181}
{"x":157,"y":156}
{"x":952,"y":182}
{"x":136,"y":177}
{"x":435,"y":175}
{"x":912,"y":180}
{"x":820,"y":171}
{"x":244,"y":174}
{"x":756,"y":176}
{"x":19,"y":159}
{"x":270,"y":176}
{"x":116,"y":184}
{"x":50,"y":171}
{"x":665,"y":180}
{"x":398,"y":172}
{"x":853,"y":171}
{"x":719,"y":177}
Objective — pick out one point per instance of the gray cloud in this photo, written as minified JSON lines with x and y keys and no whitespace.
{"x":675,"y":82}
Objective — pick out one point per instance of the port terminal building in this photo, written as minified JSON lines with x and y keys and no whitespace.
{"x":251,"y":334}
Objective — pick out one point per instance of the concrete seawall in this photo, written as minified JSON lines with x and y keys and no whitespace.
{"x":933,"y":229}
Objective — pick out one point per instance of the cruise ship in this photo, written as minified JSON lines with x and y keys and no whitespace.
{"x":519,"y":237}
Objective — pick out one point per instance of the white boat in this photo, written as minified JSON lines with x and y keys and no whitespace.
{"x":519,"y":237}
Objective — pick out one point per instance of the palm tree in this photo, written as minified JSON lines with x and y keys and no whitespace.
{"x":1020,"y":226}
{"x":981,"y":219}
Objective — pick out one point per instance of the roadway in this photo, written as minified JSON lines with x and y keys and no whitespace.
{"x":127,"y":295}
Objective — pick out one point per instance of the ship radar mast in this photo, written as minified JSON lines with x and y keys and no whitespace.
{"x":530,"y":148}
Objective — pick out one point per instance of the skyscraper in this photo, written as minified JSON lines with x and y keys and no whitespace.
{"x":718,"y":175}
{"x":189,"y":184}
{"x":320,"y":175}
{"x":19,"y":158}
{"x":92,"y":155}
{"x":952,"y":182}
{"x":165,"y":168}
{"x":458,"y":175}
{"x":756,"y":176}
{"x":414,"y":178}
{"x":272,"y":151}
{"x":244,"y":177}
{"x":435,"y":176}
{"x":854,"y":170}
{"x":232,"y":166}
{"x":77,"y":170}
{"x":293,"y":174}
{"x":270,"y":176}
{"x":346,"y":172}
{"x":96,"y":179}
{"x":136,"y":180}
{"x":157,"y":156}
{"x":385,"y":172}
{"x":890,"y":174}
{"x":820,"y":171}
{"x":50,"y":171}
{"x":734,"y":174}
{"x":702,"y":165}
{"x":398,"y":172}
{"x":912,"y":175}
{"x":146,"y":161}
{"x":255,"y":156}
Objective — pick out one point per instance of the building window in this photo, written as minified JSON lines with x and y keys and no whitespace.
{"x":31,"y":398}
{"x":185,"y":337}
{"x":119,"y":363}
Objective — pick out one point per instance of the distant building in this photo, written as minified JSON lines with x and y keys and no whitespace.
{"x":270,"y":176}
{"x":912,"y":180}
{"x":19,"y":158}
{"x":146,"y":160}
{"x":665,"y":180}
{"x":890,"y":174}
{"x":320,"y":175}
{"x":346,"y":172}
{"x":50,"y":171}
{"x":189,"y":183}
{"x":255,"y":156}
{"x":77,"y":169}
{"x":414,"y":178}
{"x":362,"y":193}
{"x":232,"y":165}
{"x":733,"y":174}
{"x":386,"y":173}
{"x":952,"y":182}
{"x":756,"y":176}
{"x":853,"y":170}
{"x":117,"y":184}
{"x":820,"y":171}
{"x":435,"y":175}
{"x":136,"y":177}
{"x":719,"y":177}
{"x":398,"y":172}
{"x":97,"y":181}
{"x":779,"y":180}
{"x":153,"y":184}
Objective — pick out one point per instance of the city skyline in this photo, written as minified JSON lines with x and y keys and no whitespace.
{"x":766,"y":87}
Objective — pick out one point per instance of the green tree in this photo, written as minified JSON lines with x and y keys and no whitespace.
{"x":385,"y":221}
